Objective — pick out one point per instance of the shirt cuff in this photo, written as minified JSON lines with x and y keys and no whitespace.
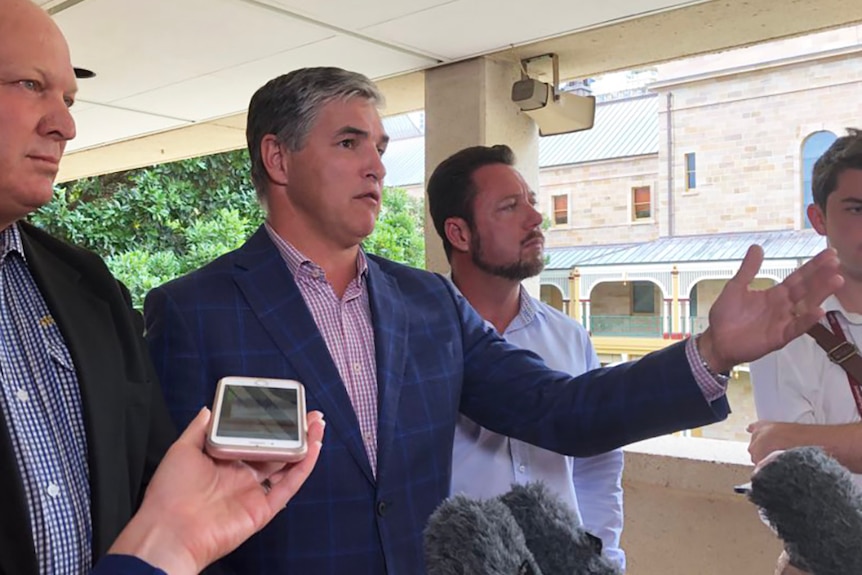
{"x":124,"y":565}
{"x":713,"y":386}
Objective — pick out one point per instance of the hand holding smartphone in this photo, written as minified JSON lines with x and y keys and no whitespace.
{"x":258,"y":419}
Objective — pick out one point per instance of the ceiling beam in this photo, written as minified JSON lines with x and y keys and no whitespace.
{"x":698,"y":29}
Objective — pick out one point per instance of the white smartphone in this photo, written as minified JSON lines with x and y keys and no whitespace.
{"x":258,"y":419}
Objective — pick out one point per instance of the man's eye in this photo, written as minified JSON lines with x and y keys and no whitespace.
{"x":69,"y":102}
{"x":32,"y":85}
{"x":347,"y":143}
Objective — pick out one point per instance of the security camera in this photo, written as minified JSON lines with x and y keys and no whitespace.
{"x":554,"y":113}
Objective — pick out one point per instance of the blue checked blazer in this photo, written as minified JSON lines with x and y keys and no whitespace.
{"x":243,"y":315}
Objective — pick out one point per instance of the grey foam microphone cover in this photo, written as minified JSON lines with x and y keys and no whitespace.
{"x":816,"y":509}
{"x":469,"y":537}
{"x":552,"y":535}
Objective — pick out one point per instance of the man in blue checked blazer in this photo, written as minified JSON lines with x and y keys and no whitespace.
{"x":391,"y":354}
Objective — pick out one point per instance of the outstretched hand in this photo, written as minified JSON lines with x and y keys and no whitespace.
{"x":198,"y":509}
{"x":746,"y":324}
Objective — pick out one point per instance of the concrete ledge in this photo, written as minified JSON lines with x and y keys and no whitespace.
{"x":682,"y":516}
{"x":709,"y":466}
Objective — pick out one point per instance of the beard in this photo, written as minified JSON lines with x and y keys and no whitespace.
{"x":517,"y":271}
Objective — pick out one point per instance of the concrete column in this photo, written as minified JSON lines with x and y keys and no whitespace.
{"x":675,"y":327}
{"x":686,"y":316}
{"x":575,"y":294}
{"x":667,"y":321}
{"x":469,"y":104}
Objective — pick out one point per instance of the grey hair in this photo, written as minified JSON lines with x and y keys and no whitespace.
{"x":288,"y":105}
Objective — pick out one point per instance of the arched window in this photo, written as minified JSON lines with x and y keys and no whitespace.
{"x":812,"y":148}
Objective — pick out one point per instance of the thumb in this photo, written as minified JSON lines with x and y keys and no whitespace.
{"x":750,"y":265}
{"x":196,"y":432}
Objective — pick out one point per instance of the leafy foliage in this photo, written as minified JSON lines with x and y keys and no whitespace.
{"x":399,"y":234}
{"x":156,"y":223}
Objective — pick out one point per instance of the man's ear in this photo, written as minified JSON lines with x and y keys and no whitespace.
{"x":818,"y":219}
{"x":458,"y":233}
{"x":274,"y":155}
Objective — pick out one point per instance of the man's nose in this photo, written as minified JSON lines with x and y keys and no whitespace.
{"x":58,"y":122}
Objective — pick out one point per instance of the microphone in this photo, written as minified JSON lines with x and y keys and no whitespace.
{"x":468,"y":537}
{"x":552,"y":535}
{"x":528,"y":531}
{"x":810,"y":500}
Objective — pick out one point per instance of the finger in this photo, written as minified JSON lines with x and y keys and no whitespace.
{"x":315,"y":432}
{"x":313,"y":416}
{"x":769,"y":458}
{"x":750,"y":265}
{"x":315,"y":435}
{"x":287,"y":483}
{"x":815,"y":280}
{"x":264,"y":469}
{"x":271,"y":469}
{"x":196,"y":432}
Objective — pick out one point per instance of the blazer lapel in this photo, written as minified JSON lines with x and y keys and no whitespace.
{"x":85,"y":321}
{"x":272,"y":293}
{"x":390,"y":341}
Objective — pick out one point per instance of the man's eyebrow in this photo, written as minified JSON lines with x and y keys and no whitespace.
{"x":851,"y":201}
{"x":354,"y":131}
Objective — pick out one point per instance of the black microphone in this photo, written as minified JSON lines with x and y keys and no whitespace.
{"x":467,"y":537}
{"x":816,"y":509}
{"x":549,"y":527}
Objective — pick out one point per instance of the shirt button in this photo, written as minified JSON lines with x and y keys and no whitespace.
{"x":522,"y":468}
{"x":22,"y":395}
{"x":53,"y":489}
{"x":357,"y":367}
{"x":382,"y":508}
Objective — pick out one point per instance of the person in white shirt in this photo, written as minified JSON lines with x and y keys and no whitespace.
{"x":802,"y":398}
{"x":490,"y":253}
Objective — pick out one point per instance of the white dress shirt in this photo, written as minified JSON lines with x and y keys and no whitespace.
{"x":799,"y":384}
{"x":486,"y":464}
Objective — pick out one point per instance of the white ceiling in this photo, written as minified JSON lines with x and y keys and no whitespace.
{"x":165,"y":64}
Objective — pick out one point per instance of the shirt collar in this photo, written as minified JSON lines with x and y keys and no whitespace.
{"x":298,"y":263}
{"x":832,"y":304}
{"x":10,"y":241}
{"x":527,"y":310}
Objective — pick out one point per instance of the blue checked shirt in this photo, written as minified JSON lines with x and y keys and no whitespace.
{"x":41,"y":405}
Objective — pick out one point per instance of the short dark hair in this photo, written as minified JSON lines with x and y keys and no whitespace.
{"x":451,"y":189}
{"x":287,"y":107}
{"x":845,"y":153}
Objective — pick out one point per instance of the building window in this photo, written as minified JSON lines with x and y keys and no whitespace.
{"x":561,"y":209}
{"x":812,"y":148}
{"x":643,"y":297}
{"x":641,"y":203}
{"x":690,"y":171}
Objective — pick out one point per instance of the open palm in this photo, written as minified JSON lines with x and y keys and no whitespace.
{"x":746,"y":324}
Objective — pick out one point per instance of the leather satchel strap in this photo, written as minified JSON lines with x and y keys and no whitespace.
{"x":845,"y":354}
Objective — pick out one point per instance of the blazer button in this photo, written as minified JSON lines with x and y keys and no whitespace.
{"x":382,"y":508}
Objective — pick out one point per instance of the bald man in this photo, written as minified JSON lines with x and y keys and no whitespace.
{"x":82,"y":421}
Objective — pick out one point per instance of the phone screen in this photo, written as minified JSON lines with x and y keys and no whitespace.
{"x":259,"y":412}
